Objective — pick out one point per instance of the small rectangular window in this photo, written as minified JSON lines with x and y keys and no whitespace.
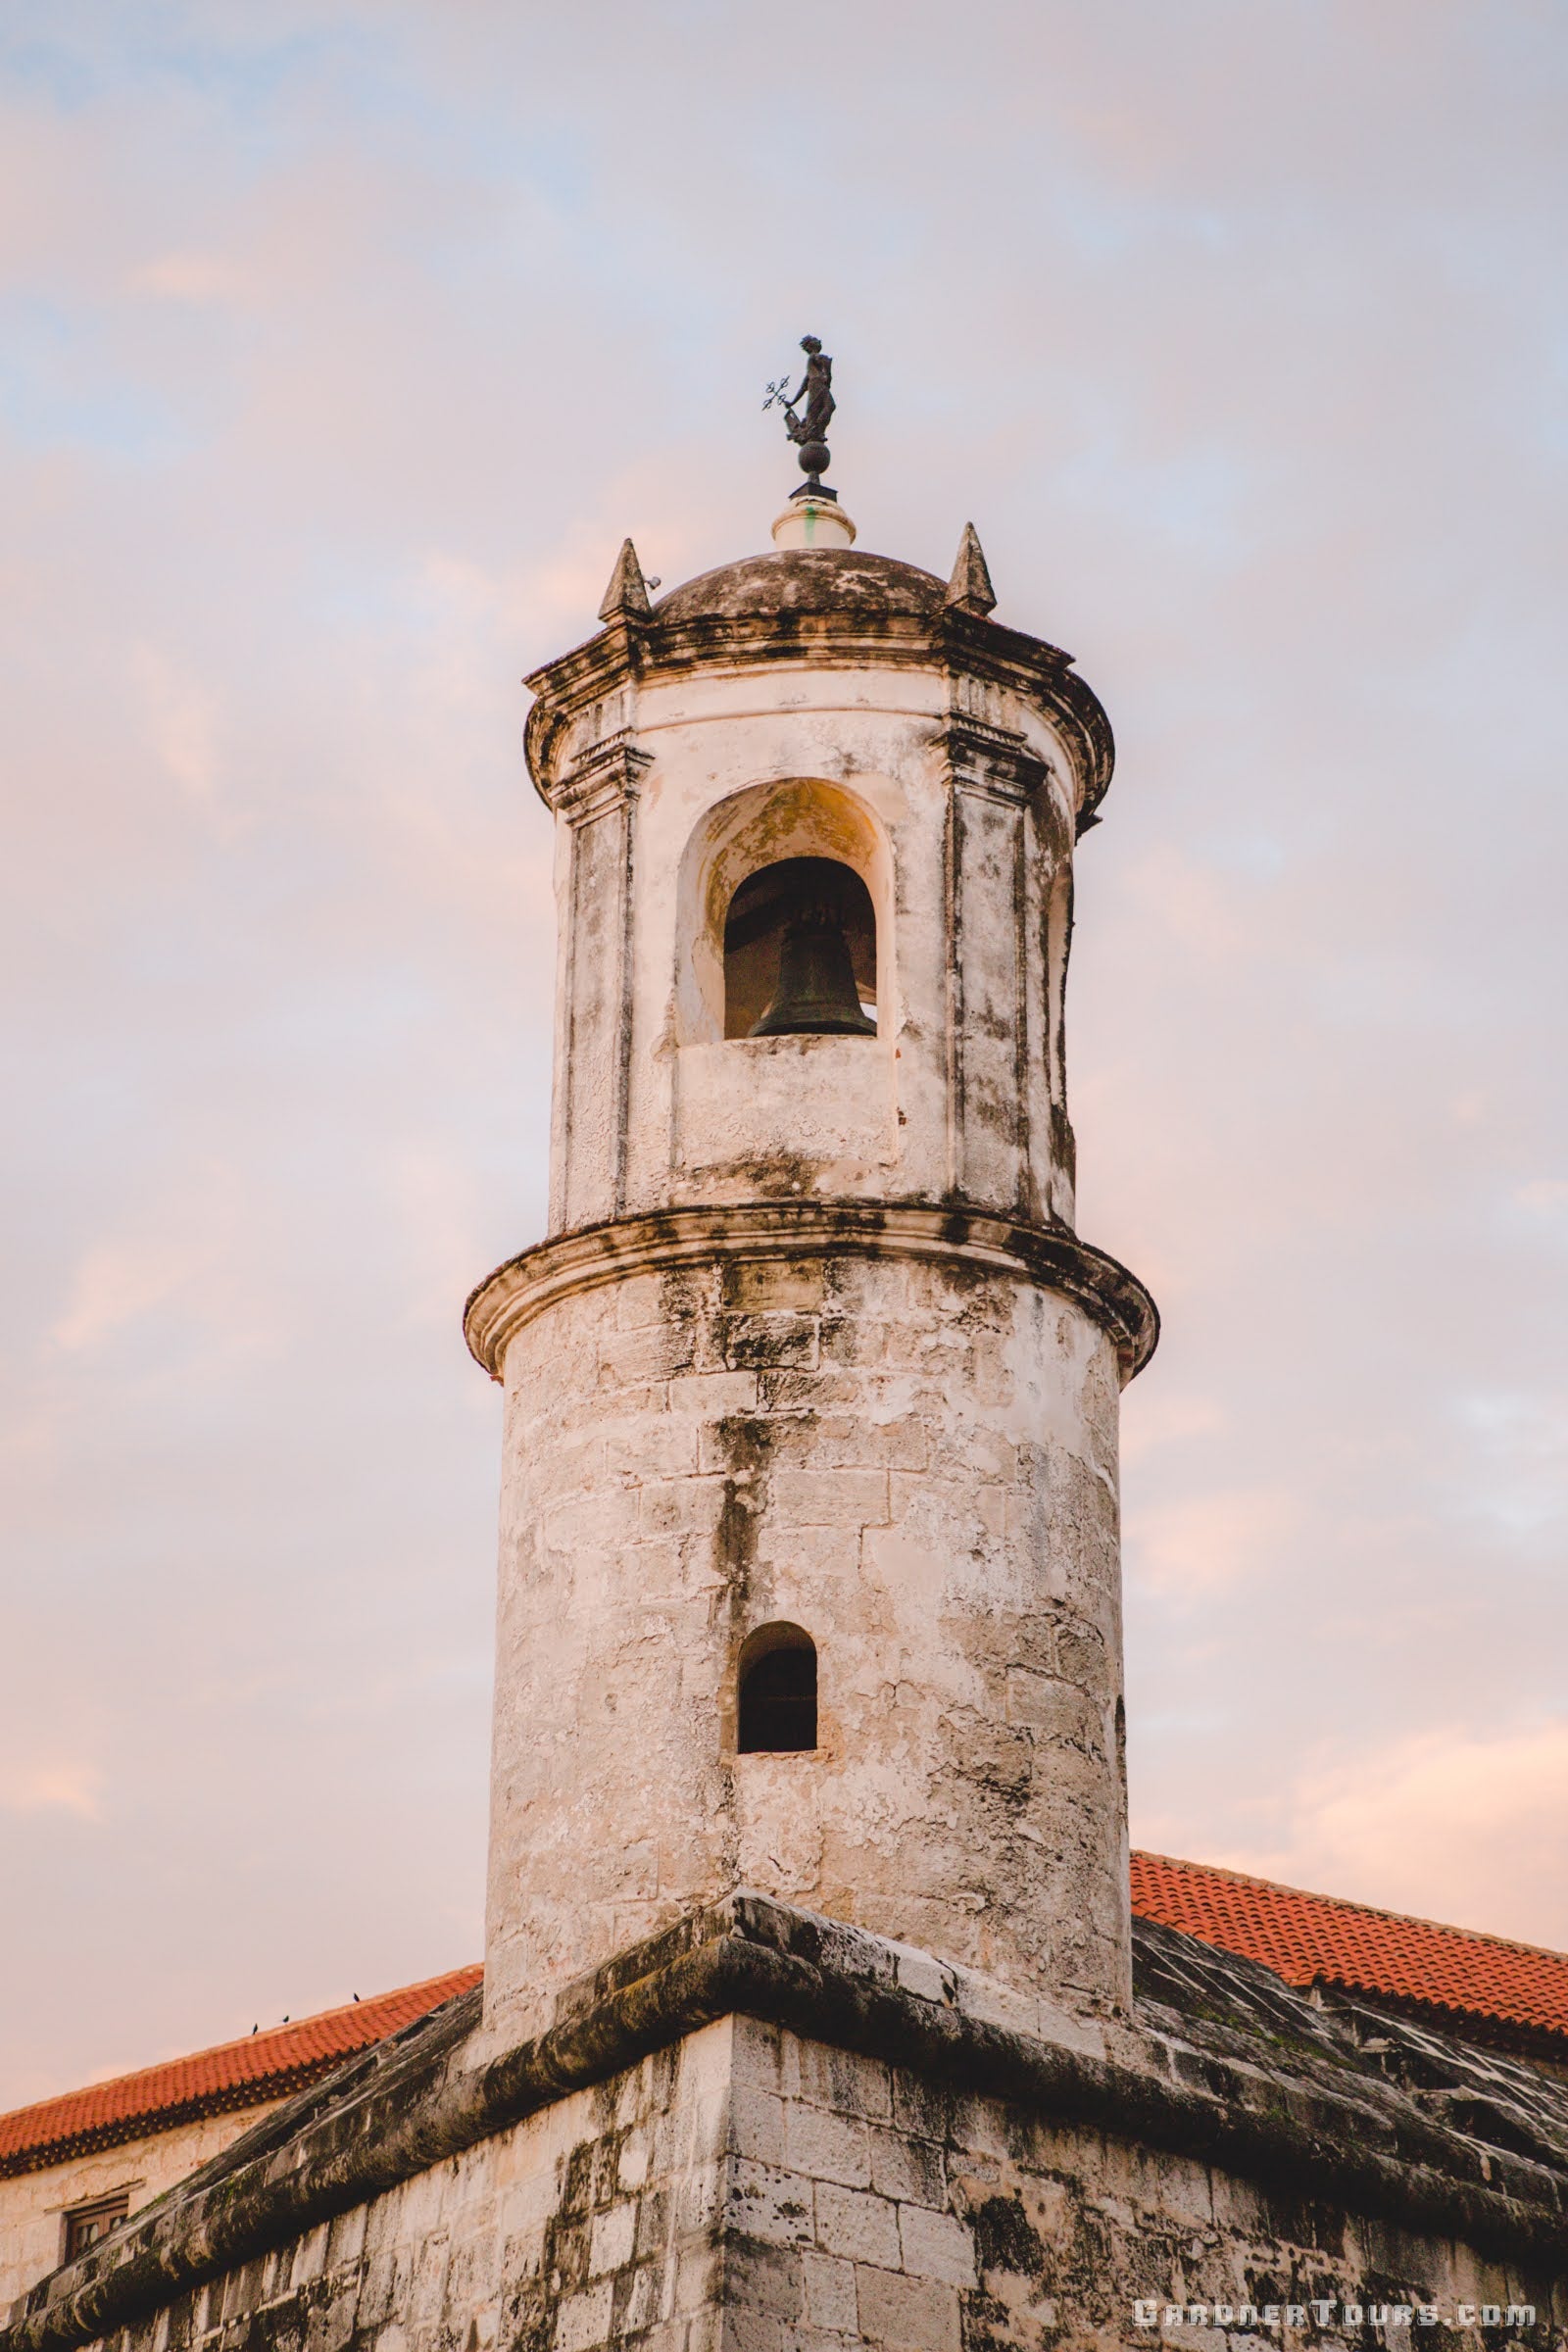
{"x":87,"y":2224}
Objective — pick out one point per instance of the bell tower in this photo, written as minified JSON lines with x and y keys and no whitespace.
{"x":810,"y":1573}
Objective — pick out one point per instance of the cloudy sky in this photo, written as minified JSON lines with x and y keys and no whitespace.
{"x":341,"y":341}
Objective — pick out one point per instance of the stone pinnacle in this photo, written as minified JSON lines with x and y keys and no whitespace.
{"x":627,"y":597}
{"x":969,"y":590}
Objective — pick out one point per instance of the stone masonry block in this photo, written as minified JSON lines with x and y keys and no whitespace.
{"x":973,"y":1450}
{"x":857,"y":2225}
{"x":991,"y":1508}
{"x":860,"y":1441}
{"x":425,"y":2304}
{"x":639,"y":1299}
{"x":766,"y":1285}
{"x":310,"y":2262}
{"x":764,"y":2277}
{"x":829,"y":2292}
{"x":703,"y":2332}
{"x":845,"y":2080}
{"x":922,"y":1976}
{"x":653,"y":2220}
{"x":764,"y":1441}
{"x":678,"y":1505}
{"x":935,"y":1355}
{"x":640,"y":2299}
{"x":699,"y":2199}
{"x":330,"y":2324}
{"x":907,"y":2168}
{"x":854,"y":1340}
{"x":658,"y":1352}
{"x":808,"y":1552}
{"x":240,"y":2295}
{"x":979,"y":2128}
{"x":376,"y":2295}
{"x":613,"y":2235}
{"x":653,"y":1445}
{"x":812,"y":1391}
{"x":581,"y":1522}
{"x":577,"y":1461}
{"x":770,"y":2204}
{"x":830,"y":2147}
{"x":921,"y":2107}
{"x":790,"y":2046}
{"x":583,"y":2321}
{"x":907,"y":2314}
{"x":831,"y":1497}
{"x":714,"y":1395}
{"x":1054,"y":1709}
{"x":758,"y":2058}
{"x":699,"y":2277}
{"x":753,"y":2331}
{"x":756,"y":2124}
{"x":781,"y":1342}
{"x":1182,"y":2193}
{"x":1070,"y":1777}
{"x":1085,"y":1661}
{"x":936,"y":2246}
{"x":999,"y":2004}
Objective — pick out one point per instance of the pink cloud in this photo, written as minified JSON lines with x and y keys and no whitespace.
{"x":1470,"y":1827}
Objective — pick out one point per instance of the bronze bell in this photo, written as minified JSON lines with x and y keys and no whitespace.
{"x":817,"y":995}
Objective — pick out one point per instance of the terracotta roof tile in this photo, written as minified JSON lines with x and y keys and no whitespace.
{"x":1322,"y":1940}
{"x":234,"y":2075}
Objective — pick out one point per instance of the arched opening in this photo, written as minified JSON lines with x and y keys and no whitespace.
{"x":739,"y":839}
{"x":776,"y":1692}
{"x":800,"y":953}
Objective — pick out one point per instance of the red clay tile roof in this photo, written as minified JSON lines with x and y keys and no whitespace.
{"x":1510,"y":1993}
{"x":236,"y":2075}
{"x":1515,"y":1993}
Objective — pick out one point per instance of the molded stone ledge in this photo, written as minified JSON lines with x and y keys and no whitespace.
{"x":821,"y":608}
{"x":412,"y":2104}
{"x":623,"y":1247}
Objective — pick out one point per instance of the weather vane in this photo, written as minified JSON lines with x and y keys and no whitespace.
{"x":808,"y":430}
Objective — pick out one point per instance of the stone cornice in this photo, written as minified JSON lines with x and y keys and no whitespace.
{"x":1042,"y":1254}
{"x":956,"y":644}
{"x":414,"y":2103}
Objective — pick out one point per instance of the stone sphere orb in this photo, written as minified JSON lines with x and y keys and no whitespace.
{"x":815,"y":457}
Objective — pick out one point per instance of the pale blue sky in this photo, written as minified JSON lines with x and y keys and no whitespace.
{"x":340,"y":345}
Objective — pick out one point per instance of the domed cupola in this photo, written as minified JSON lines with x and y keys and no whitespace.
{"x":815,"y":704}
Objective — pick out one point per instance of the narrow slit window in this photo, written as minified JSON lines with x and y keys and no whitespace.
{"x":776,"y":1715}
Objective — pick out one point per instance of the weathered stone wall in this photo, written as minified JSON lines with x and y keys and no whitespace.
{"x":917,"y":1463}
{"x":866,"y":2204}
{"x":757,"y":2191}
{"x":33,"y":2205}
{"x":587,"y":2222}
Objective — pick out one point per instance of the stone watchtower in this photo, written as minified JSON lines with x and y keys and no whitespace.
{"x":809,"y":1576}
{"x":807,"y":2020}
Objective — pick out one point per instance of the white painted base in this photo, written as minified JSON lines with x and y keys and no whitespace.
{"x":812,"y":522}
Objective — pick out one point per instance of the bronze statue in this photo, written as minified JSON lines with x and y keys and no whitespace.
{"x":809,"y":432}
